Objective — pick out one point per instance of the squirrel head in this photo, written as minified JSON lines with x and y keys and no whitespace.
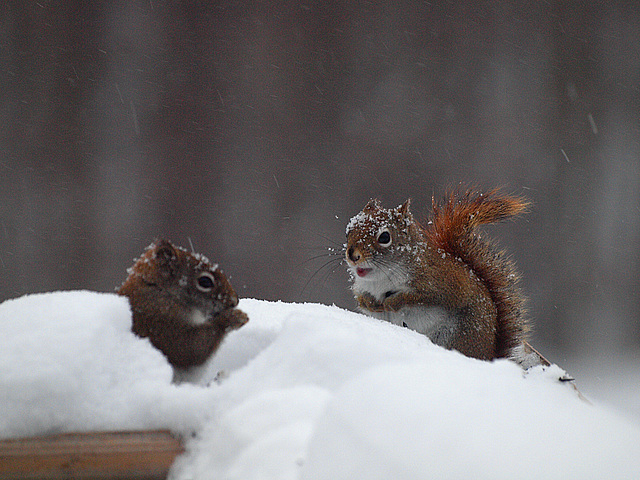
{"x":380,"y":244}
{"x":175,"y":281}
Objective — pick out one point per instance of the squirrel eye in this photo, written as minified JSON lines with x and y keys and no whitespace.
{"x":384,"y":238}
{"x":205,"y":282}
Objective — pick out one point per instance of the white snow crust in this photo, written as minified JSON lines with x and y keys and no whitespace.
{"x":307,"y":392}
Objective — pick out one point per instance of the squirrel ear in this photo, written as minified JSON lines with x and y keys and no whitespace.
{"x":164,"y":252}
{"x":372,"y":204}
{"x":404,"y":208}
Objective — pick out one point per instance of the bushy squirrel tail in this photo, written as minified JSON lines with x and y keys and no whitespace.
{"x":461,"y":213}
{"x":453,"y":229}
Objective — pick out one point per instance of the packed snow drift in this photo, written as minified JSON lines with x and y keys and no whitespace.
{"x":303,"y":391}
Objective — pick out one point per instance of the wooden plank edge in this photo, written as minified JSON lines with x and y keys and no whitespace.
{"x":91,"y":455}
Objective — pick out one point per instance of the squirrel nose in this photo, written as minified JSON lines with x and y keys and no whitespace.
{"x":354,"y":254}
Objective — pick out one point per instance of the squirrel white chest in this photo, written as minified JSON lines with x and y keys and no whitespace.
{"x":434,"y":322}
{"x":197,"y":317}
{"x":379,"y":282}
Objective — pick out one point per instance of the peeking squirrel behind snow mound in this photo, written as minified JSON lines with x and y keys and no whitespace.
{"x":182,"y":302}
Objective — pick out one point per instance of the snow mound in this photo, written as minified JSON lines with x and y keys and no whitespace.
{"x":69,"y":362}
{"x":447,"y":422}
{"x":307,"y":392}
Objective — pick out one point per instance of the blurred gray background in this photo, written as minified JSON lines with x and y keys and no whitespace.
{"x":255,"y":130}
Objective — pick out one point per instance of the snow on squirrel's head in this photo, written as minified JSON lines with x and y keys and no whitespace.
{"x":376,"y":233}
{"x":381,"y":246}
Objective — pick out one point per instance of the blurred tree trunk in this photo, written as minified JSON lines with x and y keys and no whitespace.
{"x":55,"y":61}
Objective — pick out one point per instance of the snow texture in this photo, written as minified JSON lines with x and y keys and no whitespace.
{"x":307,"y":392}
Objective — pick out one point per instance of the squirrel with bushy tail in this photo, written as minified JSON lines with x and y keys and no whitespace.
{"x":443,"y":279}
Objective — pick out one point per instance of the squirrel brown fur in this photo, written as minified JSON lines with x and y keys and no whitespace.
{"x":443,"y":279}
{"x":181,"y":302}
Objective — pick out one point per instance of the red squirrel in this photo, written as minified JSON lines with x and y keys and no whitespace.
{"x":182,"y":302}
{"x":443,"y":279}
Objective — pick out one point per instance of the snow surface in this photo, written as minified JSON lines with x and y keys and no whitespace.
{"x":308,"y":392}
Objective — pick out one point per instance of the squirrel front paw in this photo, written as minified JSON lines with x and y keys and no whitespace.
{"x":393,"y":301}
{"x":367,"y":301}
